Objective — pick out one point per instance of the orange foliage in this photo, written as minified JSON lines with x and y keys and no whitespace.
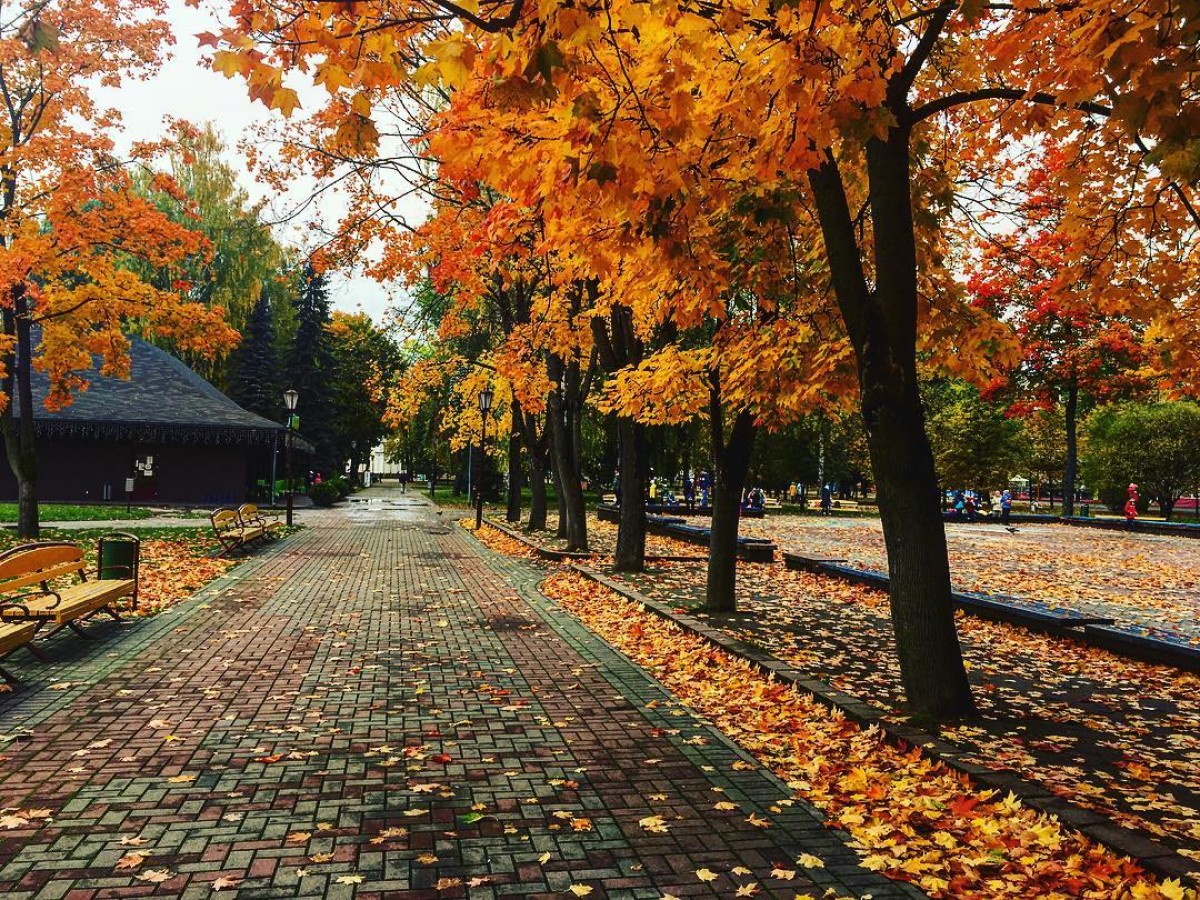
{"x":69,"y":216}
{"x":912,"y":818}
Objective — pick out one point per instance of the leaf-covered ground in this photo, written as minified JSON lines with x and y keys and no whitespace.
{"x":911,"y":818}
{"x":602,"y":540}
{"x":175,"y":562}
{"x":1148,"y":580}
{"x":1114,"y":735}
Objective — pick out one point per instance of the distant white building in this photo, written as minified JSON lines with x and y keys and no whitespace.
{"x":380,"y":467}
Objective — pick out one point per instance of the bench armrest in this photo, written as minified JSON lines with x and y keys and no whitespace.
{"x":6,"y":605}
{"x":19,"y":601}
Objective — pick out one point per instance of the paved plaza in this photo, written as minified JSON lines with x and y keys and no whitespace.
{"x":1144,"y":580}
{"x":378,"y":706}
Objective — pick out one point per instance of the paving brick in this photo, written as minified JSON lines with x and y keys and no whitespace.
{"x":347,"y":703}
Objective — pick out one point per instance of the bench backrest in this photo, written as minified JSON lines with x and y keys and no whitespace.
{"x":248,"y":512}
{"x":32,"y":564}
{"x":225,"y":519}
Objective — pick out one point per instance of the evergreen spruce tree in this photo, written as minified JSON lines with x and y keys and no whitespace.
{"x":310,"y":367}
{"x":255,"y":377}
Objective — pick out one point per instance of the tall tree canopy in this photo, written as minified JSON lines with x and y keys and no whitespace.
{"x":71,"y":218}
{"x":811,"y":163}
{"x":242,"y":262}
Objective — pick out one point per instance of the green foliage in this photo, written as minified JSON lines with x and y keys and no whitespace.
{"x":363,"y":358}
{"x":325,"y":494}
{"x":341,"y":485}
{"x":1046,"y":431}
{"x":244,"y":260}
{"x":1154,"y":445}
{"x":308,"y":368}
{"x":975,"y":445}
{"x":794,"y":454}
{"x":255,"y":377}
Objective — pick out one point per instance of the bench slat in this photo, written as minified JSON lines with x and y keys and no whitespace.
{"x":78,"y":600}
{"x":16,"y":634}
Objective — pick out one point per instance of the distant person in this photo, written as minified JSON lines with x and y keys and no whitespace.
{"x":826,"y":500}
{"x":1006,"y":499}
{"x":689,"y":492}
{"x":617,"y":486}
{"x":1131,"y":506}
{"x":653,"y":489}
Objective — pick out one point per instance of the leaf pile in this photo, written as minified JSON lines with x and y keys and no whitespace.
{"x":1112,"y":734}
{"x":172,"y":570}
{"x":909,"y":817}
{"x":498,"y":540}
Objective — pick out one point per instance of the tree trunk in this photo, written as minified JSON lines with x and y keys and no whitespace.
{"x":1072,"y":461}
{"x":881,"y":320}
{"x":17,"y":425}
{"x":617,"y":347}
{"x":731,"y":462}
{"x":572,"y":524}
{"x":535,"y":439}
{"x":631,"y":530}
{"x":537,"y":492}
{"x":513,"y":513}
{"x":559,"y":497}
{"x":562,"y":408}
{"x":1166,"y":505}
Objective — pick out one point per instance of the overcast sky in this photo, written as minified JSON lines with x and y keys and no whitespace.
{"x":187,"y":88}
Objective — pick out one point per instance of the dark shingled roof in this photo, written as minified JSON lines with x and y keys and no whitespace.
{"x":163,"y":401}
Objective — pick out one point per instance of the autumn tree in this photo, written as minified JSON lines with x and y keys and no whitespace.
{"x":1076,"y":353}
{"x":71,"y":219}
{"x":242,"y":261}
{"x":871,"y":126}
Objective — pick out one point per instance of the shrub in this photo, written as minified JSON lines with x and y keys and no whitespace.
{"x":324,"y":494}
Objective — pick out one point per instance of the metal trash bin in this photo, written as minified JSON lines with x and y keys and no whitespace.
{"x":118,"y":556}
{"x":1085,"y":510}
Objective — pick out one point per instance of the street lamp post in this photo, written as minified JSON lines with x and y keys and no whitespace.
{"x":485,"y":405}
{"x":290,"y":399}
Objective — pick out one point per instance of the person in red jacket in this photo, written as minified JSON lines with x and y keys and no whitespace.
{"x":1131,"y":507}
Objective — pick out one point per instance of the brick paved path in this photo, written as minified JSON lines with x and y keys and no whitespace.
{"x":379,"y":707}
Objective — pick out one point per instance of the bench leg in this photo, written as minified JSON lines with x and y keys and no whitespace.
{"x":110,"y":611}
{"x":8,"y":676}
{"x":74,"y":626}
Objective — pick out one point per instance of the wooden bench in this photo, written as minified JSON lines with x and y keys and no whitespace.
{"x":37,"y":566}
{"x":834,"y":504}
{"x":14,"y":636}
{"x":772,"y":503}
{"x":252,"y":517}
{"x":232,"y":532}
